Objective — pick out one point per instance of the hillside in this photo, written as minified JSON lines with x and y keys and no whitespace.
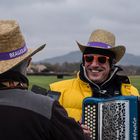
{"x":70,"y":58}
{"x":128,"y":59}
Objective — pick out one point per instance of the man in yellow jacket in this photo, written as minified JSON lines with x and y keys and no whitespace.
{"x":99,"y":75}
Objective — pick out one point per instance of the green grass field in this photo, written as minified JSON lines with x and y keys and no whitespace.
{"x":135,"y":80}
{"x":44,"y":81}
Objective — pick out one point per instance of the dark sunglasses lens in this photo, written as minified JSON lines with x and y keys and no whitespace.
{"x":102,"y":60}
{"x":89,"y":58}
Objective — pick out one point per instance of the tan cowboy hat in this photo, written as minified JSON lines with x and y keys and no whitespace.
{"x":104,"y":40}
{"x":13,"y":49}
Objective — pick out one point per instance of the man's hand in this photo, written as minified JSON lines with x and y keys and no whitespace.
{"x":85,"y":128}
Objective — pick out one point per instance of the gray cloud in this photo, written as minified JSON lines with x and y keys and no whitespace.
{"x":60,"y":22}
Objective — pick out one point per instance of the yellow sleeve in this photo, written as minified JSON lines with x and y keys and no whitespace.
{"x":129,"y":90}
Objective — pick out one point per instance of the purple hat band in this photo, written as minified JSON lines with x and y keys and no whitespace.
{"x":100,"y":44}
{"x":13,"y":54}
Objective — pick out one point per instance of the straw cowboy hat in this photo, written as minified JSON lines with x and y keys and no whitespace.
{"x":13,"y":49}
{"x":104,"y":40}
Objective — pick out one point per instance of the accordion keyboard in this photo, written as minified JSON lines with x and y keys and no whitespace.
{"x":90,"y":119}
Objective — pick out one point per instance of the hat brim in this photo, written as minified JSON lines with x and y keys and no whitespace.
{"x":118,"y":51}
{"x":6,"y":65}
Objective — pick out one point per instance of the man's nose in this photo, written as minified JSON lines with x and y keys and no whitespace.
{"x":95,"y":63}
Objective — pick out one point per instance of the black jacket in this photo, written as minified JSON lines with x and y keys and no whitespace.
{"x":25,"y":115}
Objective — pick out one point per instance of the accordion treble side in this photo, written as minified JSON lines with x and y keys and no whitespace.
{"x":115,"y":118}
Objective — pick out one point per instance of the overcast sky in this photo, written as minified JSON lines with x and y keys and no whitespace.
{"x":59,"y":23}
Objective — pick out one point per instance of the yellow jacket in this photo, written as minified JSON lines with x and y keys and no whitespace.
{"x":73,"y":92}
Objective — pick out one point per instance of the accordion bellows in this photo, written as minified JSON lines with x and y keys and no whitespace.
{"x":115,"y":118}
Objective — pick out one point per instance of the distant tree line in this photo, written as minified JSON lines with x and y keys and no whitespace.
{"x":131,"y":70}
{"x":74,"y":67}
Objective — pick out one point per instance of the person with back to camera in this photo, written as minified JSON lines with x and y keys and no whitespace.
{"x":99,"y":75}
{"x":25,"y":115}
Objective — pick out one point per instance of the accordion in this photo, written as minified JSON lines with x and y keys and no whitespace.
{"x":115,"y":118}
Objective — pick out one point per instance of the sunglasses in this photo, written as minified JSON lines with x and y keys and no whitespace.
{"x":89,"y":58}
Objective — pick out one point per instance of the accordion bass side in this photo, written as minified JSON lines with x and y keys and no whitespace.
{"x":115,"y":118}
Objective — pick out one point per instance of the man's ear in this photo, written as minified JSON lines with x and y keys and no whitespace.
{"x":113,"y":63}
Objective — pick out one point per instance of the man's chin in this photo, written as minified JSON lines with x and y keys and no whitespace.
{"x":95,"y":80}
